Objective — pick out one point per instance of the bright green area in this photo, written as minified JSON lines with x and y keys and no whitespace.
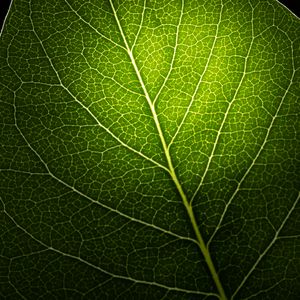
{"x":149,"y":150}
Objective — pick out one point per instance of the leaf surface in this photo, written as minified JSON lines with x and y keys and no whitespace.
{"x":149,"y":150}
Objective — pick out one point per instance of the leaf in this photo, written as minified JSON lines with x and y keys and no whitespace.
{"x":149,"y":150}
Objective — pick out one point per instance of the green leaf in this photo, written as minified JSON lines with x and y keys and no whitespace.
{"x":149,"y":150}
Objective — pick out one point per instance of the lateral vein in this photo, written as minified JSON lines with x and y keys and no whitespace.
{"x":254,"y":160}
{"x":140,"y":27}
{"x":267,"y":248}
{"x":174,"y":54}
{"x":200,"y":79}
{"x":226,"y":113}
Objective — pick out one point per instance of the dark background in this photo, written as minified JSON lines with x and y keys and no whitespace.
{"x":291,"y":4}
{"x":4,"y":5}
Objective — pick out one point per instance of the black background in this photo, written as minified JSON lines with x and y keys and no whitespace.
{"x":291,"y":4}
{"x":4,"y":5}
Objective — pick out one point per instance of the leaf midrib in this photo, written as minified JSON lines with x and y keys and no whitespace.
{"x":189,"y":209}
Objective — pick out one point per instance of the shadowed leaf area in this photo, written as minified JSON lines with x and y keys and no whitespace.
{"x":149,"y":149}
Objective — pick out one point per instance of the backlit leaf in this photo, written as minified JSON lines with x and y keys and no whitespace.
{"x":149,"y":150}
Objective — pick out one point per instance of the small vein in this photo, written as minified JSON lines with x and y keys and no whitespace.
{"x":226,"y":113}
{"x":174,"y":53}
{"x":140,"y":26}
{"x":88,"y":110}
{"x":50,"y":248}
{"x":267,"y":248}
{"x":103,"y":283}
{"x":285,"y":237}
{"x":264,"y":291}
{"x":200,"y":79}
{"x":96,"y":30}
{"x":24,"y":172}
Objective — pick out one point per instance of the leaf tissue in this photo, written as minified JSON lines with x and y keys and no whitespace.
{"x":149,"y":150}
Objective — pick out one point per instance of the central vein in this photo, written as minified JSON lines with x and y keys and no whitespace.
{"x":204,"y":250}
